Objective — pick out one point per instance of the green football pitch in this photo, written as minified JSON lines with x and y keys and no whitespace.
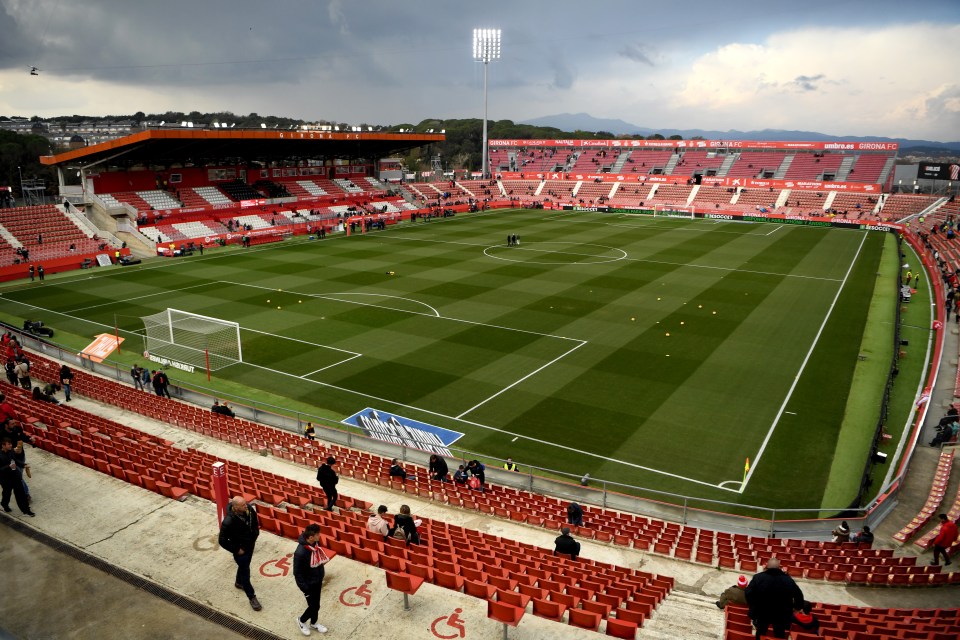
{"x":650,"y":351}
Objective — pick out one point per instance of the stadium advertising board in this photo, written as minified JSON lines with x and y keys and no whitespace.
{"x":740,"y":216}
{"x":710,"y":181}
{"x":938,"y":171}
{"x":784,"y":145}
{"x":388,"y":427}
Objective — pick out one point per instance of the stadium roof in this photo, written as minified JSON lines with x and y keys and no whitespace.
{"x":162,"y":146}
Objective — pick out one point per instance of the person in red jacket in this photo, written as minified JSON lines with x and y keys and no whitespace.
{"x":945,"y":538}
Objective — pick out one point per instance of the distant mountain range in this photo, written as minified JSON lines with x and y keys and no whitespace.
{"x":586,"y":122}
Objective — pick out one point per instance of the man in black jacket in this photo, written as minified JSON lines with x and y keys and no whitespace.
{"x":772,"y":596}
{"x":238,"y":535}
{"x":10,"y":479}
{"x":328,"y":480}
{"x":308,"y":561}
{"x":566,"y":544}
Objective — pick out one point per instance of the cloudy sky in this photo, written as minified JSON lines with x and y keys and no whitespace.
{"x":870,"y":67}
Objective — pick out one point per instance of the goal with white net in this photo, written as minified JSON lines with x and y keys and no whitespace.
{"x":209,"y":343}
{"x":672,"y":211}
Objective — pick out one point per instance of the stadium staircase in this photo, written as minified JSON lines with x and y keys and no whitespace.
{"x":844,"y":169}
{"x":726,"y":164}
{"x":671,"y":164}
{"x":621,"y":160}
{"x":784,"y":167}
{"x":887,"y":168}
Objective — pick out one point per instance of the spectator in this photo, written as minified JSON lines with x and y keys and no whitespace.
{"x":841,"y":533}
{"x":309,"y":432}
{"x":66,"y":380}
{"x":566,"y":544}
{"x":238,"y":535}
{"x":510,"y":465}
{"x":397,"y":470}
{"x":40,"y":396}
{"x":773,"y":596}
{"x":144,"y":378}
{"x":22,"y":370}
{"x":476,"y":468}
{"x":438,"y":468}
{"x":405,"y":527}
{"x":864,"y":537}
{"x":137,"y":374}
{"x":160,"y":382}
{"x":574,"y":514}
{"x":308,"y":572}
{"x":946,"y":536}
{"x":10,"y":480}
{"x":223,"y":409}
{"x":7,"y":412}
{"x":328,"y":480}
{"x":460,"y":475}
{"x":735,"y":594}
{"x":804,"y":618}
{"x":377,"y":524}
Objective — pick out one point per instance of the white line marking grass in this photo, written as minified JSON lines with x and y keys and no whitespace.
{"x":803,"y":365}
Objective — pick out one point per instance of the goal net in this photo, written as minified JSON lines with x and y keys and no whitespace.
{"x":193,"y":339}
{"x":672,"y":211}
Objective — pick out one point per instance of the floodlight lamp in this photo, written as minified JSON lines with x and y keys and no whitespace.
{"x":486,"y":44}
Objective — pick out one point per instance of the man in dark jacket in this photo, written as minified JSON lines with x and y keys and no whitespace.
{"x":308,"y":561}
{"x":10,"y":479}
{"x":238,"y":535}
{"x":328,"y":480}
{"x":772,"y":596}
{"x":566,"y":544}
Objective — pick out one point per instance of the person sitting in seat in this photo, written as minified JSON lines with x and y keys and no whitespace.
{"x":460,"y":475}
{"x":40,"y":396}
{"x":397,"y":470}
{"x":223,"y":409}
{"x":865,"y":536}
{"x":566,"y":544}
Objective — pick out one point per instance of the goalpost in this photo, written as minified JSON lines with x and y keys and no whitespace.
{"x":205,"y":342}
{"x":672,"y":211}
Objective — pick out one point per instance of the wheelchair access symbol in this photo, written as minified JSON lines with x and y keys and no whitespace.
{"x":454,"y":621}
{"x":276,"y":568}
{"x":360,"y":592}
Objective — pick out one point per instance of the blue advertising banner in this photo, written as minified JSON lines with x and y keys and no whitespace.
{"x":388,"y":427}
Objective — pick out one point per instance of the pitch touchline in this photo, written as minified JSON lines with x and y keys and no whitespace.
{"x":803,"y":365}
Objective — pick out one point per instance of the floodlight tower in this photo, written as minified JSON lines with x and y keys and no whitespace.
{"x":486,"y":47}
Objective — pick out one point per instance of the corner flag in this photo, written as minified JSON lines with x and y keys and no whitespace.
{"x":746,"y":469}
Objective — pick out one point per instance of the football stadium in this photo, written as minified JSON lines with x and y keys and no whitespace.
{"x":708,"y":361}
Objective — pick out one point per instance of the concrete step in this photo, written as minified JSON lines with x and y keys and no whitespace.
{"x":684,"y":615}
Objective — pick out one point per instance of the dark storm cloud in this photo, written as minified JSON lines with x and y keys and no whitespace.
{"x":637,"y":53}
{"x":808,"y":83}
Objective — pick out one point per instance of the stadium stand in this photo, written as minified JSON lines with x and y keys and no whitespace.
{"x":810,"y":166}
{"x":672,"y":194}
{"x":901,"y":205}
{"x":860,"y":623}
{"x":706,"y":163}
{"x":756,"y":164}
{"x":811,"y":559}
{"x":937,"y":490}
{"x":448,"y":555}
{"x":26,"y":225}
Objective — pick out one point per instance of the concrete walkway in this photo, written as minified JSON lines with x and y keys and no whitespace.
{"x":173,"y":545}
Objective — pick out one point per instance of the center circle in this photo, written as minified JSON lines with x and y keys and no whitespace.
{"x":556,"y":253}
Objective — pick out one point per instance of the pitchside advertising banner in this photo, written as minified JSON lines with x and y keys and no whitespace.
{"x":705,"y":144}
{"x":710,"y":181}
{"x":739,"y":216}
{"x":938,"y":171}
{"x":388,"y":427}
